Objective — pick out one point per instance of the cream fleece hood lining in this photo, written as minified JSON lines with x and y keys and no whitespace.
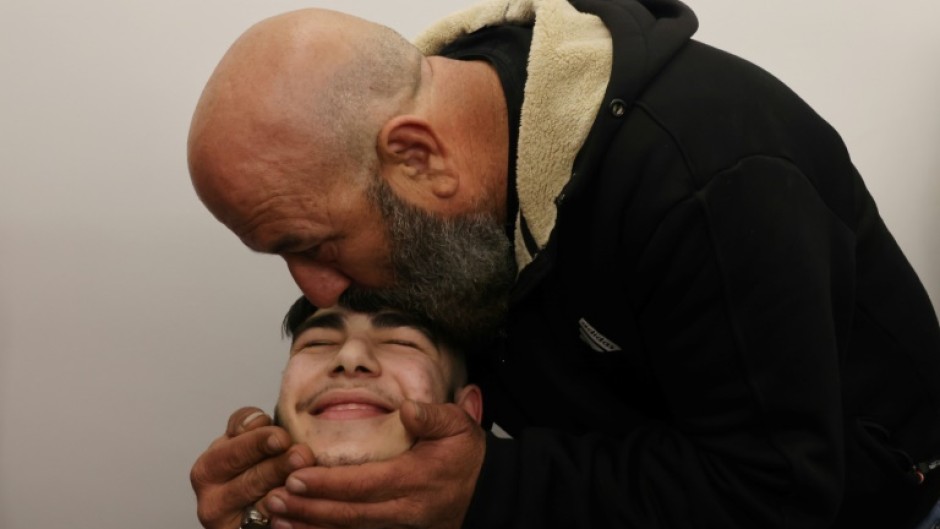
{"x":568,"y":70}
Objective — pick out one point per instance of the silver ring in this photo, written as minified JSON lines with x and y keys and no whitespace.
{"x":254,"y":519}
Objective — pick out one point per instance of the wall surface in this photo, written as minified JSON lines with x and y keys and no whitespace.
{"x":132,"y":324}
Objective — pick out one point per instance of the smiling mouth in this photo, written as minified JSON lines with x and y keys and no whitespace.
{"x":349,"y":411}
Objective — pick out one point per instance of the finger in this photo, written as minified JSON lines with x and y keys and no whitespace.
{"x":262,"y":478}
{"x":372,"y":482}
{"x":390,"y":480}
{"x":227,"y":458}
{"x":261,"y":504}
{"x":307,"y":513}
{"x":435,"y":421}
{"x":222,"y":501}
{"x":245,"y":419}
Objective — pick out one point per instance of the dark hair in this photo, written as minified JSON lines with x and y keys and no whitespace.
{"x":296,"y":314}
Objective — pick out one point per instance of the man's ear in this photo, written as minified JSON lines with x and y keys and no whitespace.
{"x":470,"y":399}
{"x":411,"y":153}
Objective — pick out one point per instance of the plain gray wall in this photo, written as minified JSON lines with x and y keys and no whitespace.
{"x":132,"y":324}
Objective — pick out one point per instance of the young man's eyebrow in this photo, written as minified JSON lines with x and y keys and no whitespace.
{"x":392,"y":319}
{"x":330,"y":320}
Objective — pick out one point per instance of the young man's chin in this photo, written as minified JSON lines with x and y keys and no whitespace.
{"x":353,"y":442}
{"x":357,"y":455}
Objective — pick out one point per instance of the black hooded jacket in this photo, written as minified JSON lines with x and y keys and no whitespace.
{"x":712,"y":326}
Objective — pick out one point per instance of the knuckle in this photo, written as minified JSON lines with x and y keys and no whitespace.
{"x":245,"y":492}
{"x":247,"y":452}
{"x":349,"y":516}
{"x":452,"y":419}
{"x":208,"y":512}
{"x":228,"y":462}
{"x":261,"y":436}
{"x":205,"y":518}
{"x":258,"y":480}
{"x":198,"y":475}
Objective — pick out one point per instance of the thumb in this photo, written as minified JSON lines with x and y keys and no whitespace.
{"x":434,"y":421}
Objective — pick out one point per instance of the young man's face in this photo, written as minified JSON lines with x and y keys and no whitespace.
{"x":349,"y":373}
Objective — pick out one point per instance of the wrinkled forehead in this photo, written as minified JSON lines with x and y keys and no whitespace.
{"x":244,"y":158}
{"x":269,"y":205}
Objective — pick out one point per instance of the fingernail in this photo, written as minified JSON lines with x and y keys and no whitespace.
{"x":280,"y":524}
{"x":419,"y":411}
{"x":295,"y":486}
{"x":275,"y":504}
{"x":296,"y":461}
{"x":274,"y":443}
{"x":251,"y":417}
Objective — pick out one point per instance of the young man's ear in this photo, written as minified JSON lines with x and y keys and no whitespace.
{"x":412,"y":155}
{"x":470,"y":398}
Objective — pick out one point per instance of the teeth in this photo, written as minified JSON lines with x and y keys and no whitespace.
{"x":351,"y":406}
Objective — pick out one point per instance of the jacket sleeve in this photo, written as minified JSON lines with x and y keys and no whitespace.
{"x":743,"y":298}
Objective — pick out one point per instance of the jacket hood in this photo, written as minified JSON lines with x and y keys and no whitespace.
{"x":569,"y":80}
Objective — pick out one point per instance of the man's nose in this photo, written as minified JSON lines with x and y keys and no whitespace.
{"x":321,"y":284}
{"x":355,"y":359}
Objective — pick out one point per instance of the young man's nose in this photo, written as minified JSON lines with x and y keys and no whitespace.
{"x":355,"y":359}
{"x":321,"y":284}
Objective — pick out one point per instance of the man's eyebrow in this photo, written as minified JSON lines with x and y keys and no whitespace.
{"x":286,"y":244}
{"x":292,"y":244}
{"x":331,"y":320}
{"x":392,"y":319}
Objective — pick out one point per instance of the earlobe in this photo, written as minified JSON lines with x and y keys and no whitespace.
{"x":470,"y":399}
{"x":410,"y":149}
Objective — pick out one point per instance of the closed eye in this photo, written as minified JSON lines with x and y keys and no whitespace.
{"x":317,"y":343}
{"x":403,"y":343}
{"x":310,"y":346}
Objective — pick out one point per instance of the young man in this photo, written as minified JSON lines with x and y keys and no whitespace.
{"x":348,"y":374}
{"x":350,"y":371}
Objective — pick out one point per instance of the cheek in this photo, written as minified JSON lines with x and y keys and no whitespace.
{"x":423,"y":382}
{"x":298,"y":377}
{"x":300,"y":373}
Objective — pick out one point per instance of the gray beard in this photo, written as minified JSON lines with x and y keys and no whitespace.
{"x":455,"y":272}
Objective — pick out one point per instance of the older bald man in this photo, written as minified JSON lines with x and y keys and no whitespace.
{"x":709,"y":325}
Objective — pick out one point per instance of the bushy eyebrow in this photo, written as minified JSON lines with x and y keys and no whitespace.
{"x":330,"y":320}
{"x":391,"y":320}
{"x":381,"y":320}
{"x":284,"y":245}
{"x":292,"y":244}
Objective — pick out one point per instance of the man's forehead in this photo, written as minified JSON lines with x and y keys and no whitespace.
{"x":270,"y":216}
{"x":264,"y":191}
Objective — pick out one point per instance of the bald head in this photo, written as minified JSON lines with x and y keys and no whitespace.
{"x":300,"y":95}
{"x":313,"y":116}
